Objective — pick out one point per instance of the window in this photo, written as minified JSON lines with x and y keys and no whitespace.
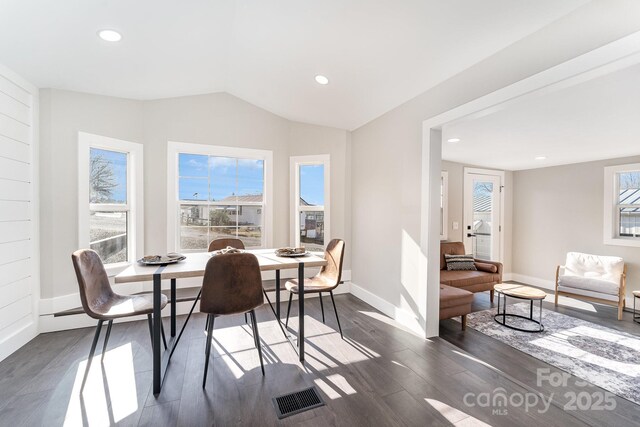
{"x":110,"y":194}
{"x":444,"y":204}
{"x":218,"y":192}
{"x":622,"y":205}
{"x":310,"y":201}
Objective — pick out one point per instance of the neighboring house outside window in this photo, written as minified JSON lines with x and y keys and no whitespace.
{"x":310,"y":201}
{"x":110,"y":199}
{"x":622,"y":205}
{"x":218,"y":192}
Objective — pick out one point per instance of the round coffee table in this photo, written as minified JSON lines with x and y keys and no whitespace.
{"x":522,"y":292}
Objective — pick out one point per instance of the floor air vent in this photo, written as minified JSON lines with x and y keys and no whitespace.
{"x":294,"y":403}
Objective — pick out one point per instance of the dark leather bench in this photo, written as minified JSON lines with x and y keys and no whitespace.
{"x":455,"y":302}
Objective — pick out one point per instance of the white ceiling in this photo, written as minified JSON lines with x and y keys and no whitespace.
{"x":595,"y":120}
{"x":376,"y":53}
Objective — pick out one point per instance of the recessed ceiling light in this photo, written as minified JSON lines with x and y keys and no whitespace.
{"x":110,"y":35}
{"x":541,"y":157}
{"x":453,"y":140}
{"x":322,"y":79}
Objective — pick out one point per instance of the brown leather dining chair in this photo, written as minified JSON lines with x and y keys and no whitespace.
{"x":101,"y":303}
{"x":232,"y":284}
{"x":326,"y":280}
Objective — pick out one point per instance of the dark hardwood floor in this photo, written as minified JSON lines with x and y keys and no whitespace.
{"x":522,"y":368}
{"x":378,"y":375}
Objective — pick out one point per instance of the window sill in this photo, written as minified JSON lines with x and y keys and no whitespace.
{"x":115,"y":269}
{"x":618,"y":241}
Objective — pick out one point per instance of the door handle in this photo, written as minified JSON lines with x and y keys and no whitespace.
{"x":471,"y":235}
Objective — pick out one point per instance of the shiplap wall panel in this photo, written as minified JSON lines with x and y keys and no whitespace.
{"x":15,"y":291}
{"x":14,"y":170}
{"x":12,"y":149}
{"x":20,"y":323}
{"x":15,"y":190}
{"x":14,"y":91}
{"x":15,"y":311}
{"x":11,"y":210}
{"x":14,"y":129}
{"x":18,"y":244}
{"x":14,"y":109}
{"x":14,"y":251}
{"x":14,"y":271}
{"x":12,"y":231}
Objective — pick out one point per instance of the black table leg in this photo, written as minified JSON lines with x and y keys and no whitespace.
{"x":157,"y":319}
{"x":531,"y":310}
{"x":301,"y":310}
{"x":173,"y":307}
{"x":278,"y":294}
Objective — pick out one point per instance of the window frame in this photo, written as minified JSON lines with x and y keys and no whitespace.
{"x":294,"y":173}
{"x":135,"y":196}
{"x":173,"y":197}
{"x":611,"y":223}
{"x":444,"y":200}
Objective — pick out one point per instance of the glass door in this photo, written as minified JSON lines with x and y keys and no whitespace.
{"x":482,"y":207}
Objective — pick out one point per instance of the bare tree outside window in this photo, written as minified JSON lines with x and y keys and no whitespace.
{"x":102,"y":180}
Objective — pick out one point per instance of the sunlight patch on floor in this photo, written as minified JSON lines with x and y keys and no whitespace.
{"x":453,"y":415}
{"x":105,"y":399}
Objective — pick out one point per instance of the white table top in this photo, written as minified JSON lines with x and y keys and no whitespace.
{"x":196,"y":262}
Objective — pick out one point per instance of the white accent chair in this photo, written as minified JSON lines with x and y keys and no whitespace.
{"x":593,"y":278}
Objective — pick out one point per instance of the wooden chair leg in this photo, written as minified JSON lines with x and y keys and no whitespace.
{"x":257,"y":337}
{"x":336,"y":310}
{"x":555,"y":300}
{"x":464,"y":322}
{"x":620,"y":309}
{"x":91,"y":353}
{"x":210,"y":321}
{"x":491,"y":292}
{"x":286,"y":323}
{"x":106,"y":339}
{"x":321,"y":306}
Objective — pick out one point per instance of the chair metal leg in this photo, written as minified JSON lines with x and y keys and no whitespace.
{"x":245,"y":318}
{"x":164,"y":339}
{"x":270,"y":304}
{"x":321,"y":306}
{"x":257,"y":337}
{"x":91,"y":353}
{"x":286,"y":324}
{"x":336,"y":310}
{"x":106,"y":339}
{"x":210,"y":321}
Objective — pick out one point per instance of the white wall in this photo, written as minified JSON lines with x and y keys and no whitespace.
{"x":216,"y":119}
{"x":19,"y":250}
{"x":560,"y":209}
{"x":386,"y":153}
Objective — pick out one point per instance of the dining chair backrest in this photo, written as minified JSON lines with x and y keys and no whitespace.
{"x":232,"y":284}
{"x":218,"y":244}
{"x":95,"y":289}
{"x":334,"y":254}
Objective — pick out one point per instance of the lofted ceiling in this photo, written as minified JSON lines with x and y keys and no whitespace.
{"x":594,"y":120}
{"x":376,"y":53}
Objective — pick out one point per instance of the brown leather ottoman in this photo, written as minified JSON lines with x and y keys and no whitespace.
{"x":455,"y":302}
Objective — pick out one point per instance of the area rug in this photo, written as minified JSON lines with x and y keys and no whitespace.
{"x":602,"y":356}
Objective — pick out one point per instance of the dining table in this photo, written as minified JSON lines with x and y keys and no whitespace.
{"x":194,"y":265}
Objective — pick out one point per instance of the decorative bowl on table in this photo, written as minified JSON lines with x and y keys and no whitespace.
{"x":292,"y":252}
{"x":171,"y":258}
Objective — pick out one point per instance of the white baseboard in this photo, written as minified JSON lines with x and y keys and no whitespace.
{"x":17,"y":339}
{"x":49,"y":323}
{"x":404,"y":317}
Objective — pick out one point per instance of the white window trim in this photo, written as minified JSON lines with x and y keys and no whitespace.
{"x":135,"y":195}
{"x":610,"y":223}
{"x":445,"y":205}
{"x":173,"y":205}
{"x":294,"y":173}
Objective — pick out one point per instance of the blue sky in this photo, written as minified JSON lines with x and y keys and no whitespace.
{"x":312,"y":184}
{"x":227,"y":175}
{"x":119,"y":167}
